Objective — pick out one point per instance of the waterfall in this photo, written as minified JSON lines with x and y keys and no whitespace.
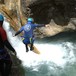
{"x":55,"y":59}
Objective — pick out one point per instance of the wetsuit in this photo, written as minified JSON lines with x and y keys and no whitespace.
{"x":5,"y":60}
{"x":28,"y":33}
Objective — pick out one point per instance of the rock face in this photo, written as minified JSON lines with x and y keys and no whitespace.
{"x":17,"y":68}
{"x":59,"y":10}
{"x":62,"y":12}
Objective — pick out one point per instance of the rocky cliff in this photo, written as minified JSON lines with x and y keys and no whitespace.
{"x":59,"y":10}
{"x":60,"y":15}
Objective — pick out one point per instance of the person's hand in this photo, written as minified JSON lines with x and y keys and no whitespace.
{"x":13,"y":35}
{"x":47,"y":25}
{"x":14,"y":53}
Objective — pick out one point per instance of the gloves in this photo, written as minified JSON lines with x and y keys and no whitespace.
{"x":14,"y":53}
{"x":47,"y":25}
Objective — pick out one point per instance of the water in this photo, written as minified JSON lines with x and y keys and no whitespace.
{"x":57,"y":58}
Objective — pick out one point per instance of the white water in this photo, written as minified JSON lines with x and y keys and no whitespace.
{"x":56,"y":53}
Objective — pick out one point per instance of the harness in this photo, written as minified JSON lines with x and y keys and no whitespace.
{"x":30,"y":39}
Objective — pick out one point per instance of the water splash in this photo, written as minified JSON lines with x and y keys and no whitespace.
{"x":53,"y":56}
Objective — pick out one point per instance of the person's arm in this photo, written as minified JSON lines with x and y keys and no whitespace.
{"x":18,"y":32}
{"x":39,"y":25}
{"x":8,"y":45}
{"x":6,"y":42}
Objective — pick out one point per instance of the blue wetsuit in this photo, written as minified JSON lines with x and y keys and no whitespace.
{"x":28,"y":33}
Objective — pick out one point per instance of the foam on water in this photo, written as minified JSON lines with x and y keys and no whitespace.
{"x":55,"y":53}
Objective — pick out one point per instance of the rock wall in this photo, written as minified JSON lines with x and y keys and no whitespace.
{"x":59,"y":10}
{"x":62,"y":12}
{"x":60,"y":15}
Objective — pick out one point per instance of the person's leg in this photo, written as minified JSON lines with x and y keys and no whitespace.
{"x":1,"y":67}
{"x":27,"y":48}
{"x":8,"y":65}
{"x":31,"y":42}
{"x":31,"y":47}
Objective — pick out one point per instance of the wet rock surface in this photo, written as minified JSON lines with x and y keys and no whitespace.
{"x":62,"y":12}
{"x":59,"y":10}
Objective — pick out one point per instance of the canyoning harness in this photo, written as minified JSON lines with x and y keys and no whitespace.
{"x":30,"y":39}
{"x":27,"y":40}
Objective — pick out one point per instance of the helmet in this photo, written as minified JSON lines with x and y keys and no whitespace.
{"x":1,"y":17}
{"x":30,"y":20}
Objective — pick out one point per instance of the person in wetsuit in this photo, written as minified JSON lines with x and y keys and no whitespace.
{"x":5,"y":59}
{"x":28,"y":36}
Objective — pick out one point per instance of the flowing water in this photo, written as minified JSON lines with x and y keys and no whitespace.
{"x":57,"y":58}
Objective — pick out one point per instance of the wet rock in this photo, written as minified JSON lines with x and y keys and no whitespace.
{"x":43,"y":11}
{"x":59,"y":10}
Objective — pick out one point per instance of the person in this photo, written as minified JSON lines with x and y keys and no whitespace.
{"x":28,"y":36}
{"x":5,"y":59}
